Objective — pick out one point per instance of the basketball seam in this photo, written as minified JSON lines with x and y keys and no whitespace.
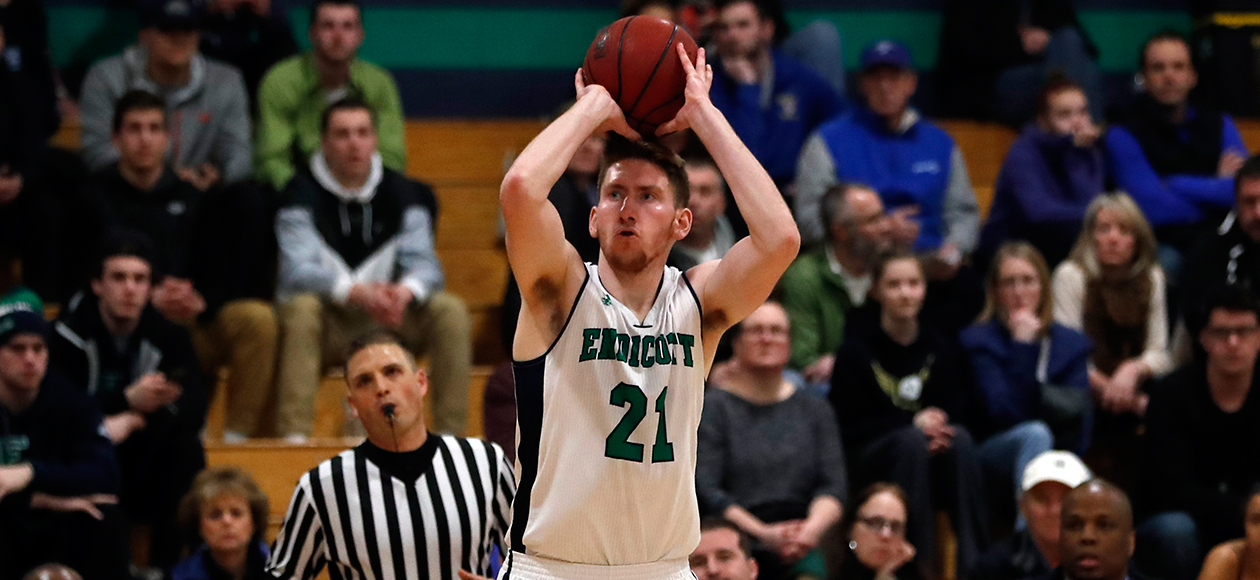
{"x":621,"y":48}
{"x":662,"y":105}
{"x":656,"y":68}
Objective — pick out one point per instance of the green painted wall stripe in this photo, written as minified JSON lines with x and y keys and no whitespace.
{"x":531,"y":39}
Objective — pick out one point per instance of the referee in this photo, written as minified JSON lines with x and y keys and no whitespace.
{"x":404,"y":504}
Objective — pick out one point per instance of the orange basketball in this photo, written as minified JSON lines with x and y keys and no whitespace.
{"x":635,"y":59}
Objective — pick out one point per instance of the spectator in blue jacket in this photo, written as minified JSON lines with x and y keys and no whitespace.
{"x":58,"y":473}
{"x":1051,"y":173}
{"x":772,"y":100}
{"x":1015,"y":349}
{"x":226,"y":512}
{"x":914,"y":165}
{"x":1175,"y":159}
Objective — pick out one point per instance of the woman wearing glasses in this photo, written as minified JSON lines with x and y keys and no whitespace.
{"x":874,"y":538}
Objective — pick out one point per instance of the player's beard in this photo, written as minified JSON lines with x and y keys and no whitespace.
{"x":628,"y":259}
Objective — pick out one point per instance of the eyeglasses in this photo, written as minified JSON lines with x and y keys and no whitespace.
{"x":1225,"y":332}
{"x":879,"y":524}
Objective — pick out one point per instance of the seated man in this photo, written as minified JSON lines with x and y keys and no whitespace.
{"x":724,"y":552}
{"x":773,"y":101}
{"x":1202,"y":441}
{"x":914,"y":166}
{"x":1230,"y":254}
{"x":144,"y":373}
{"x":1033,"y":551}
{"x":822,"y":286}
{"x":1051,"y":173}
{"x":295,"y":91}
{"x":1096,"y":536}
{"x":206,"y":102}
{"x":769,"y":456}
{"x":1176,"y":160}
{"x":711,"y":233}
{"x":356,"y":251}
{"x":57,"y":469}
{"x":213,"y":279}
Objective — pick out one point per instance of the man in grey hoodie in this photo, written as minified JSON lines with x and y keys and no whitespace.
{"x":206,"y":103}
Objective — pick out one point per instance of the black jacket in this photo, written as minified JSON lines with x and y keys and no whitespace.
{"x":1015,"y":558}
{"x":1224,"y":256}
{"x":61,"y":436}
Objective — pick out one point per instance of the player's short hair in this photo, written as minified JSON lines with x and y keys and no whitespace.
{"x":317,"y":4}
{"x":1164,"y":35}
{"x":350,"y":103}
{"x":373,"y":338}
{"x":137,"y":100}
{"x":718,"y":523}
{"x":214,"y":482}
{"x":620,"y":149}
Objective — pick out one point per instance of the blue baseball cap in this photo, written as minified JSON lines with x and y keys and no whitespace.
{"x":886,"y":52}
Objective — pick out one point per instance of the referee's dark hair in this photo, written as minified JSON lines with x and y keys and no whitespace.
{"x":373,"y":338}
{"x":718,"y":523}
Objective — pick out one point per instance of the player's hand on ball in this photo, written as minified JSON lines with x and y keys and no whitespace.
{"x":614,"y":119}
{"x":699,"y":80}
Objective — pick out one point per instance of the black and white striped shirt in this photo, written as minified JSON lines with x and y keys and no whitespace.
{"x":374,"y":515}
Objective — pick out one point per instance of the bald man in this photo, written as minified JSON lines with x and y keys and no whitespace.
{"x":1096,"y":539}
{"x":52,"y":572}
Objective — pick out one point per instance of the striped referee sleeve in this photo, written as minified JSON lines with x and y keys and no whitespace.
{"x":501,"y":508}
{"x":299,"y":548}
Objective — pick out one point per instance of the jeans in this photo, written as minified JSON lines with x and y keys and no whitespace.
{"x":1005,"y":455}
{"x":1019,"y":86}
{"x":1168,"y":547}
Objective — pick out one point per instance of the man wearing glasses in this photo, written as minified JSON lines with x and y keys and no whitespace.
{"x":1202,"y":441}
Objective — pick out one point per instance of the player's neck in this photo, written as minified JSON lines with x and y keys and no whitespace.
{"x":636,"y":290}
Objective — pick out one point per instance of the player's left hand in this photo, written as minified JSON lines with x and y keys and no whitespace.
{"x":696,"y":93}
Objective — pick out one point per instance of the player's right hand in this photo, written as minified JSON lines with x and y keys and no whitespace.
{"x":613,"y":118}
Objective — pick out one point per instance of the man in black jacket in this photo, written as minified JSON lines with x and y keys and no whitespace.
{"x":57,"y":469}
{"x":1230,"y":254}
{"x":143,"y":371}
{"x":214,"y":251}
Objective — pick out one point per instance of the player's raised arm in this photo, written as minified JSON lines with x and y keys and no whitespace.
{"x":734,"y":286}
{"x":540,"y":257}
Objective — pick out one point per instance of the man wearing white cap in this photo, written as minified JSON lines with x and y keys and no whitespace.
{"x":1033,"y":551}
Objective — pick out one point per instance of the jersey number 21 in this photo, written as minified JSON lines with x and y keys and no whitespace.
{"x":618,"y":445}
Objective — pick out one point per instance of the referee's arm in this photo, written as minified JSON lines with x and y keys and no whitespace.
{"x":299,"y":550}
{"x":501,"y":509}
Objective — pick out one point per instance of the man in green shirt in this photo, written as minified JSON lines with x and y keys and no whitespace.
{"x":295,"y":92}
{"x":821,"y":286}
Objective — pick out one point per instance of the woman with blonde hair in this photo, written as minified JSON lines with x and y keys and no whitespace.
{"x":1112,"y":288}
{"x":226,"y":513}
{"x":1021,"y":360}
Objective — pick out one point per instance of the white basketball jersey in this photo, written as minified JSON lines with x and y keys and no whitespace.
{"x":607,"y":419}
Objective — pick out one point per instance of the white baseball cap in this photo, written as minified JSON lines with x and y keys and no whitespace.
{"x":1061,"y":466}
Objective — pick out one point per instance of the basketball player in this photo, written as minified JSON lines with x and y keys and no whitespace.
{"x":610,"y":358}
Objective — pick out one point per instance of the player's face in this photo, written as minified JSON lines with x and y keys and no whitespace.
{"x":741,"y":32}
{"x":23,"y":362}
{"x":1232,"y":340}
{"x":1168,"y":75}
{"x":719,"y":557}
{"x":171,"y":48}
{"x":1248,"y":202}
{"x":764,"y":341}
{"x":123,"y":287}
{"x":879,"y":527}
{"x":901,"y":289}
{"x":636,"y":220}
{"x":1019,"y":285}
{"x":349,"y":143}
{"x":227,"y":524}
{"x":337,"y":33}
{"x":1097,"y":541}
{"x":1067,"y":112}
{"x":382,"y":374}
{"x":1041,"y":506}
{"x":707,"y":201}
{"x":141,"y":139}
{"x":888,"y":89}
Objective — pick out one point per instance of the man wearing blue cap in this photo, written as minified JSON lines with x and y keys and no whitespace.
{"x":207,"y":108}
{"x":914,"y":165}
{"x":57,"y":468}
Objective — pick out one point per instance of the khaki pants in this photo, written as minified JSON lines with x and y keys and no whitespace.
{"x":243,"y":338}
{"x":315,"y":335}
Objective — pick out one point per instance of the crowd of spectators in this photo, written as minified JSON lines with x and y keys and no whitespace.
{"x":239,"y":206}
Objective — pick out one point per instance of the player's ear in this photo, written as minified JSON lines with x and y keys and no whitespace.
{"x":682,"y":223}
{"x":590,"y":224}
